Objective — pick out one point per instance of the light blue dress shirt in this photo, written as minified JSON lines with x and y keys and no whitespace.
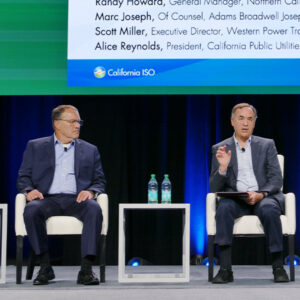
{"x":64,"y":181}
{"x":246,"y":180}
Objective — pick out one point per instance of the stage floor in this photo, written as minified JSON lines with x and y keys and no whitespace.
{"x":251,"y":282}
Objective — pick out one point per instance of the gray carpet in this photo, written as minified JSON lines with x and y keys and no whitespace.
{"x":251,"y":282}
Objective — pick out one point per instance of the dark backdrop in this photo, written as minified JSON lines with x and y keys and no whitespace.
{"x":141,"y":135}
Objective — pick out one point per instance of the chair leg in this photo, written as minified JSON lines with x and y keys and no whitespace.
{"x":30,"y":266}
{"x":19,"y":259}
{"x":291,"y":239}
{"x":102,"y":257}
{"x":211,"y":246}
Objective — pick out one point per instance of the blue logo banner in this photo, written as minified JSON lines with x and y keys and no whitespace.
{"x":184,"y":72}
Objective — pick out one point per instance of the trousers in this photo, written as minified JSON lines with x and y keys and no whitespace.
{"x":38,"y":211}
{"x":267,"y":210}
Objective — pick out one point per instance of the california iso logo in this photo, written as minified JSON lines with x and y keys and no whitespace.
{"x":99,"y":72}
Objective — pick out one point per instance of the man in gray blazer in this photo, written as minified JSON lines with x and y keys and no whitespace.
{"x":62,"y":175}
{"x":247,"y":163}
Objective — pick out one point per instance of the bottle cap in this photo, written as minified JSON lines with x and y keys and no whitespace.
{"x":166,"y":175}
{"x":152,"y":175}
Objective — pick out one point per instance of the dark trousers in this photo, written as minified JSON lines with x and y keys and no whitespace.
{"x":268,"y":211}
{"x":38,"y":211}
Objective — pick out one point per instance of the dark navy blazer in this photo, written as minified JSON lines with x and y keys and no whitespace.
{"x":38,"y":166}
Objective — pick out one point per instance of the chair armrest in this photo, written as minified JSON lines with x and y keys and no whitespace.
{"x":19,"y":219}
{"x":102,"y":199}
{"x":211,"y":201}
{"x":290,"y":211}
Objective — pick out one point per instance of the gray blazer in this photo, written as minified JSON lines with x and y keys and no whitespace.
{"x":265,"y":166}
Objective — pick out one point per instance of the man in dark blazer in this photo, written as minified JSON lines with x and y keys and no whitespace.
{"x":62,"y":175}
{"x":247,"y":163}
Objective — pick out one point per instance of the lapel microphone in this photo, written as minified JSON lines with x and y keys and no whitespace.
{"x":66,"y":149}
{"x":243,"y":149}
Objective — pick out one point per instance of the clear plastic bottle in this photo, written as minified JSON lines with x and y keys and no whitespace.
{"x":166,"y":188}
{"x":152,"y":190}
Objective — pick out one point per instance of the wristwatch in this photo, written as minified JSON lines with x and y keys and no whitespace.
{"x":94,"y":193}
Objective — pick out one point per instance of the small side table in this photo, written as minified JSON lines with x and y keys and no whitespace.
{"x":155,"y":277}
{"x":3,"y":232}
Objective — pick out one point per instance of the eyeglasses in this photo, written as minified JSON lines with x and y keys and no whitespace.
{"x":72,"y":122}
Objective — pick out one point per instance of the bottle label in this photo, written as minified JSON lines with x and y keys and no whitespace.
{"x":166,"y":197}
{"x":152,"y":197}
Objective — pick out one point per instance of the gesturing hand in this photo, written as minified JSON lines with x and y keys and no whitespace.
{"x":84,"y":195}
{"x":34,"y":194}
{"x":223,"y":158}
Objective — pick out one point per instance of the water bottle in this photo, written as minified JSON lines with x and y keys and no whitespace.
{"x":152,"y":190}
{"x":166,"y":190}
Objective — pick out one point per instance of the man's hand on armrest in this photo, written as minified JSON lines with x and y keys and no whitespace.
{"x":84,"y":195}
{"x":34,"y":194}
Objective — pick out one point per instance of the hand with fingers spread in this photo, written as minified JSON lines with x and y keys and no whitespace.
{"x":223,"y":158}
{"x":84,"y":195}
{"x":34,"y":194}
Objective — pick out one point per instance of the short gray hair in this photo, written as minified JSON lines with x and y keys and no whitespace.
{"x":242,"y":105}
{"x":57,"y":111}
